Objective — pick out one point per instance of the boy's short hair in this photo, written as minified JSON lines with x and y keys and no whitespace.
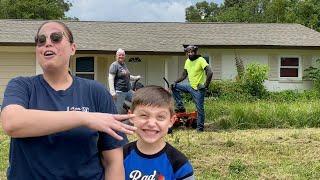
{"x":153,"y":96}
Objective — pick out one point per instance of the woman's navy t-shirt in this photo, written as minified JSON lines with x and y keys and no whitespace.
{"x":72,"y":154}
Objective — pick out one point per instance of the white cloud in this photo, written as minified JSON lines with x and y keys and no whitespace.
{"x":130,"y":10}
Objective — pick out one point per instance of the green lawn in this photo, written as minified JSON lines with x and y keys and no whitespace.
{"x":252,"y":154}
{"x":4,"y":152}
{"x":240,"y":154}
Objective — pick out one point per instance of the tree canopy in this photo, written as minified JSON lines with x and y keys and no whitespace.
{"x":305,"y":12}
{"x":34,"y":9}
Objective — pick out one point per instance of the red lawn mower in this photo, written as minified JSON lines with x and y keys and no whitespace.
{"x":188,"y":119}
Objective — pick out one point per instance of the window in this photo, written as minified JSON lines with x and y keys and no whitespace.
{"x":289,"y":67}
{"x":207,"y":58}
{"x":134,"y":60}
{"x":85,"y":67}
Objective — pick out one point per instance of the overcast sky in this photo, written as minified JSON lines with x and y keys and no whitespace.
{"x":132,"y":10}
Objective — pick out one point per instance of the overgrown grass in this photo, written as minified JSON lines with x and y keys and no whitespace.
{"x":240,"y":154}
{"x":229,"y":106}
{"x":261,"y":114}
{"x":236,"y":91}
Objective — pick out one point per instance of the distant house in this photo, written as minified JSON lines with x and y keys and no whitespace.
{"x":155,"y":50}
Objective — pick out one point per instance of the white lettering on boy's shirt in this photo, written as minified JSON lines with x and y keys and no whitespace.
{"x":83,"y":109}
{"x":137,"y":175}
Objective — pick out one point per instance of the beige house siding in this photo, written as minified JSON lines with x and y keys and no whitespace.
{"x":155,"y":70}
{"x":273,"y":67}
{"x":139,"y":68}
{"x":20,"y":61}
{"x":214,"y":61}
{"x":172,"y":68}
{"x":224,"y":65}
{"x":103,"y":68}
{"x":14,"y":64}
{"x":153,"y":67}
{"x":306,"y":62}
{"x":181,"y":61}
{"x":277,"y":83}
{"x":216,"y":66}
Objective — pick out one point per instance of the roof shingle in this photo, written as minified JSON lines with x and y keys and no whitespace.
{"x":166,"y":37}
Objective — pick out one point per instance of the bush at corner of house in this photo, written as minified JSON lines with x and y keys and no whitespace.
{"x":254,"y":77}
{"x":313,"y":73}
{"x":215,"y":88}
{"x":227,"y":90}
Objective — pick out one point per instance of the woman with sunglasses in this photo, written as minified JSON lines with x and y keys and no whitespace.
{"x":61,"y":126}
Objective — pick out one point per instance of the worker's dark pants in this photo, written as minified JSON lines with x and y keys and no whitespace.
{"x":198,"y":99}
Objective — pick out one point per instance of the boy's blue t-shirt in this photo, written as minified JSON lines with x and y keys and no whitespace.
{"x":72,"y":154}
{"x":168,"y":164}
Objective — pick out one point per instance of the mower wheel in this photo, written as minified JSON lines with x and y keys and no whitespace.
{"x":194,"y":123}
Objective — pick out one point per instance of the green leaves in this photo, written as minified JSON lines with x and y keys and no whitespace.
{"x":313,"y":73}
{"x":34,"y":9}
{"x":254,"y":77}
{"x":305,"y":12}
{"x":202,"y":11}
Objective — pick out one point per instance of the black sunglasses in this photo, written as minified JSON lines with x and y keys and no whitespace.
{"x":56,"y":37}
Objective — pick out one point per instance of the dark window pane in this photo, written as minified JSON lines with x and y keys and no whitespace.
{"x":288,"y":72}
{"x":85,"y":64}
{"x":285,"y":61}
{"x":135,"y":60}
{"x":87,"y":76}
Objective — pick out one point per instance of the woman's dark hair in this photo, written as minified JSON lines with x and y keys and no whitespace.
{"x":65,"y":27}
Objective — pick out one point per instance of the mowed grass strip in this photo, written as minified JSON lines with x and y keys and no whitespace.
{"x":251,"y":154}
{"x":4,"y":154}
{"x":239,"y":154}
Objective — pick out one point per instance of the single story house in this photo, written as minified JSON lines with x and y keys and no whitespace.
{"x":155,"y":49}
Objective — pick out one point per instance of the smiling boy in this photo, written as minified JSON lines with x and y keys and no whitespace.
{"x":150,"y":157}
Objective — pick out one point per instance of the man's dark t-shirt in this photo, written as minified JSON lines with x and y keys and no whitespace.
{"x":122,"y":76}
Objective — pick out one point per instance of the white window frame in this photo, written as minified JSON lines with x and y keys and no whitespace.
{"x":95,"y":66}
{"x":293,"y":67}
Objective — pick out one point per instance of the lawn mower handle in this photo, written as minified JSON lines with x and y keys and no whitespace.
{"x":135,"y":84}
{"x":166,"y":82}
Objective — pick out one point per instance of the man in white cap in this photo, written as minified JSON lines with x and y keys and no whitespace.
{"x":119,"y":81}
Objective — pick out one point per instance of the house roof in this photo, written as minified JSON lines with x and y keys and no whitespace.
{"x":166,"y":36}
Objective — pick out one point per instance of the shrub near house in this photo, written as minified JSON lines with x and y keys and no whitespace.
{"x":313,"y":73}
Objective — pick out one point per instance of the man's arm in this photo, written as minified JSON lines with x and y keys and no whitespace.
{"x":111,"y":77}
{"x":111,"y":84}
{"x":209,"y":74}
{"x":20,"y":122}
{"x":134,"y":78}
{"x":182,"y":77}
{"x":112,"y":161}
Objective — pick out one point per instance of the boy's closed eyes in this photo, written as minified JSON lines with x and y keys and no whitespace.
{"x":159,"y":116}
